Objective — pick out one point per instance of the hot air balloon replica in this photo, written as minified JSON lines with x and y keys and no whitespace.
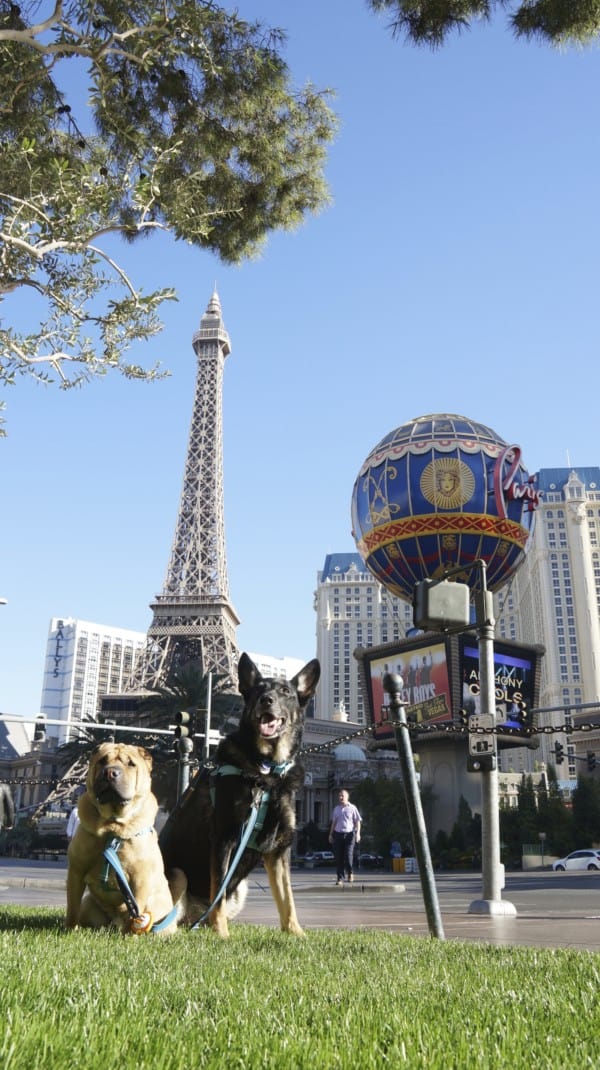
{"x":440,"y":492}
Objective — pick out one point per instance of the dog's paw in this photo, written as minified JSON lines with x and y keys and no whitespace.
{"x":294,"y":928}
{"x":140,"y":924}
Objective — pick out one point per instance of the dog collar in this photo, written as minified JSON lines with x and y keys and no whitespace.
{"x":266,"y":767}
{"x":277,"y":768}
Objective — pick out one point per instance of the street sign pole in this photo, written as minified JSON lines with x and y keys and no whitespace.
{"x":492,"y":868}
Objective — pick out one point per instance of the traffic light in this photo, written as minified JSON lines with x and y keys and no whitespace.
{"x":331,"y":781}
{"x":39,"y":730}
{"x":521,"y":711}
{"x":184,"y":724}
{"x":559,"y":753}
{"x":591,"y":761}
{"x":462,"y":719}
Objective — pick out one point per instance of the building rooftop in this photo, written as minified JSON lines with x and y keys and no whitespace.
{"x":338,"y":564}
{"x":556,"y":478}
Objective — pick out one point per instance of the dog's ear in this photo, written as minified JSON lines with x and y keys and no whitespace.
{"x":248,"y":675}
{"x":306,"y":681}
{"x":145,"y":756}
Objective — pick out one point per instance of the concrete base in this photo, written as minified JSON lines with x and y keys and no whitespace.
{"x":498,"y":908}
{"x":347,"y":888}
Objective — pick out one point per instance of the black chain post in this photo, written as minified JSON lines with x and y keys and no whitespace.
{"x":392,"y":684}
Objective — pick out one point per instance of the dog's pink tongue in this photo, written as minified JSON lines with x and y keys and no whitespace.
{"x":268,"y":728}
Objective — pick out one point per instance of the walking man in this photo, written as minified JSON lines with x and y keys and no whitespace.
{"x":344,"y":832}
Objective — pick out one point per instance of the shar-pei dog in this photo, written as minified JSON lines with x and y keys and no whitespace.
{"x":257,"y":774}
{"x":116,"y":819}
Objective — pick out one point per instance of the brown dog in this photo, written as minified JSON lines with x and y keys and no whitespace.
{"x":118,"y":809}
{"x":257,"y":768}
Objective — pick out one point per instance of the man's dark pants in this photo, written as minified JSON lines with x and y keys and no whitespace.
{"x":343,"y":849}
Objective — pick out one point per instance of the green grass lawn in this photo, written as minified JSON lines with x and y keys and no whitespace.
{"x":98,"y":1001}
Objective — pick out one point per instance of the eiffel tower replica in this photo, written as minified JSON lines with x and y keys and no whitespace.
{"x":193,"y":618}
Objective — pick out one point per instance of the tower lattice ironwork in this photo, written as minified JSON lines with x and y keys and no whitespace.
{"x":193,"y":618}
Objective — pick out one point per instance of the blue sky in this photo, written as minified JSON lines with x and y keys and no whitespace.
{"x":455,"y":271}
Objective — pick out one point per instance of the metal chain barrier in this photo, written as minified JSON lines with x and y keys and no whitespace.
{"x":446,"y":728}
{"x":455,"y":728}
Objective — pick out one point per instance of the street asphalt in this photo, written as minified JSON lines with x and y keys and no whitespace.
{"x":552,"y":909}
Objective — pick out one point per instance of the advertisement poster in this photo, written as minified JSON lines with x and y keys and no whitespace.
{"x":513,"y":680}
{"x":426,"y":687}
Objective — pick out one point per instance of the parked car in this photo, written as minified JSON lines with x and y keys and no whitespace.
{"x":318,"y":858}
{"x":367,"y":861}
{"x":588,"y":859}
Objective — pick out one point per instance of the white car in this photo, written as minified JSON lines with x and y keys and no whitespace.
{"x":579,"y":860}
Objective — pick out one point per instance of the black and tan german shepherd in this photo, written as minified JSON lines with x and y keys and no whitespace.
{"x":256,"y":767}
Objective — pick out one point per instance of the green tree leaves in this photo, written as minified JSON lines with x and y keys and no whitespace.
{"x":430,"y":22}
{"x":190,"y":125}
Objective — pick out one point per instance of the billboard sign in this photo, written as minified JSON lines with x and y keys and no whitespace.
{"x":514,"y":682}
{"x":426,"y":686}
{"x":440,"y":675}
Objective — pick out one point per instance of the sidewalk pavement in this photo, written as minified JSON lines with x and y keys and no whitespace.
{"x":373,"y":902}
{"x":373,"y":906}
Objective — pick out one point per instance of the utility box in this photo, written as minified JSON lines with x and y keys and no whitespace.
{"x":441,"y":604}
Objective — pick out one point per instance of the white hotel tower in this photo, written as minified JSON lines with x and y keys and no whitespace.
{"x":554,"y":599}
{"x":83,"y":662}
{"x":353,"y":610}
